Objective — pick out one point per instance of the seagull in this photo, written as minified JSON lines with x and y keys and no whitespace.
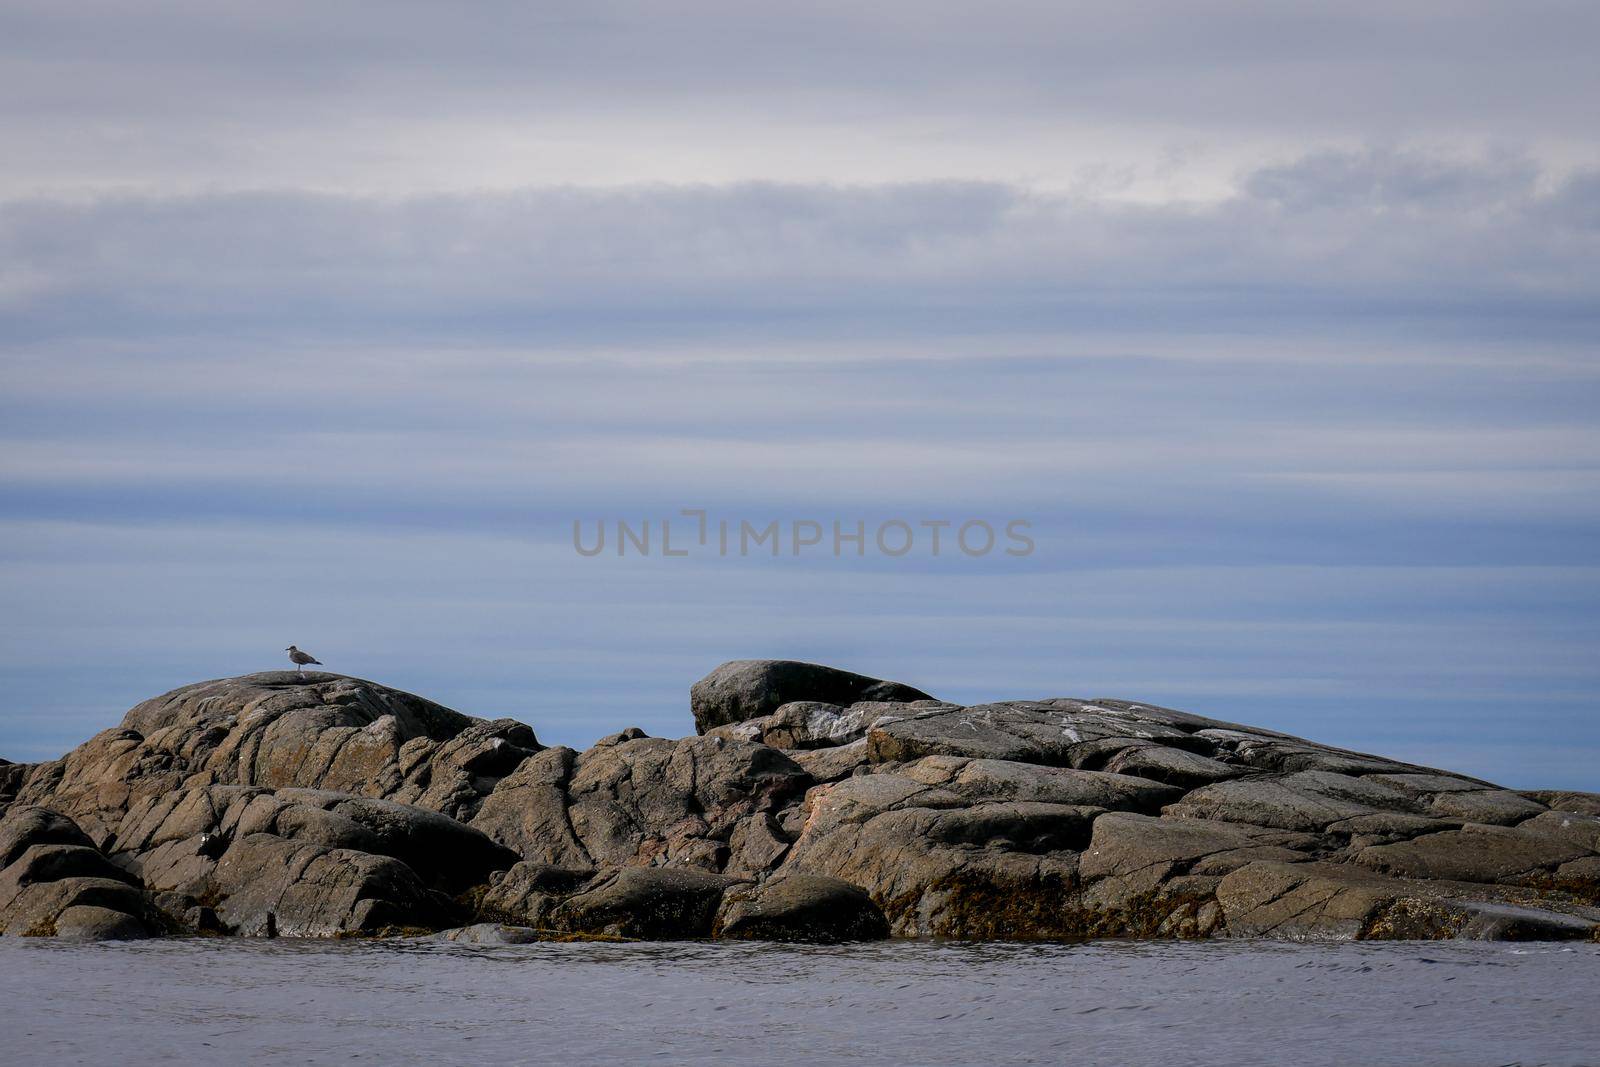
{"x":300,"y":659}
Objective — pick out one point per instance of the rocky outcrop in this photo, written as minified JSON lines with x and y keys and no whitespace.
{"x":12,"y":775}
{"x":55,"y":882}
{"x":701,"y":802}
{"x":744,"y":689}
{"x":814,"y":805}
{"x":279,"y":730}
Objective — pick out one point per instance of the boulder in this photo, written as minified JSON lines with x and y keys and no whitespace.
{"x":85,"y":922}
{"x":751,"y":688}
{"x":658,"y":903}
{"x":809,"y":724}
{"x":529,"y":893}
{"x":33,"y":909}
{"x":489,"y":934}
{"x":445,"y":853}
{"x":800,"y":907}
{"x":646,"y":800}
{"x":24,"y":826}
{"x":54,"y":881}
{"x":268,"y":886}
{"x":1175,"y":766}
{"x":50,"y":863}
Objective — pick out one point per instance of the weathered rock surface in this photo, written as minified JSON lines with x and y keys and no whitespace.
{"x":815,"y":805}
{"x":644,"y":800}
{"x":662,"y":903}
{"x":266,"y":885}
{"x":53,"y":881}
{"x":801,"y":907}
{"x":12,"y":775}
{"x":745,"y":689}
{"x":278,"y":730}
{"x":490,"y":934}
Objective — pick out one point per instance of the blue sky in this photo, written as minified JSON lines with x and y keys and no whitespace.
{"x":322,"y":325}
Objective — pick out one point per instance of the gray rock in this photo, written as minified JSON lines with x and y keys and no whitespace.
{"x":659,"y":903}
{"x":757,"y":845}
{"x":831,"y":764}
{"x":1581,"y":831}
{"x":174,"y":841}
{"x":642,"y":801}
{"x":1566,"y":800}
{"x":445,"y":853}
{"x":939,"y":866}
{"x":280,"y":731}
{"x":993,"y":779}
{"x":751,"y":688}
{"x":1320,"y":901}
{"x":331,"y":806}
{"x":49,"y":863}
{"x":801,"y":907}
{"x":811,"y":724}
{"x":529,"y":893}
{"x":85,"y":922}
{"x":1473,"y":854}
{"x":34,"y":908}
{"x":1427,"y":786}
{"x":1306,"y":800}
{"x":55,"y":875}
{"x":1500,"y":807}
{"x":1174,"y":766}
{"x":1487,"y":921}
{"x":1264,"y":750}
{"x":632,"y":733}
{"x":1304,"y":901}
{"x":271,"y":885}
{"x":24,"y":826}
{"x":1136,"y":854}
{"x":1062,"y":733}
{"x":12,"y":778}
{"x":528,"y":810}
{"x":490,"y":934}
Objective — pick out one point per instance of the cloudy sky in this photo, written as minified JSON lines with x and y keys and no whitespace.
{"x":321,"y":323}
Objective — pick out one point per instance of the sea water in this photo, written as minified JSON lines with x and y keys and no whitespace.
{"x":236,"y":1002}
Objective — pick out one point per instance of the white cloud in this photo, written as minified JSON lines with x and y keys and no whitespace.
{"x":1154,"y":99}
{"x":322,"y":321}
